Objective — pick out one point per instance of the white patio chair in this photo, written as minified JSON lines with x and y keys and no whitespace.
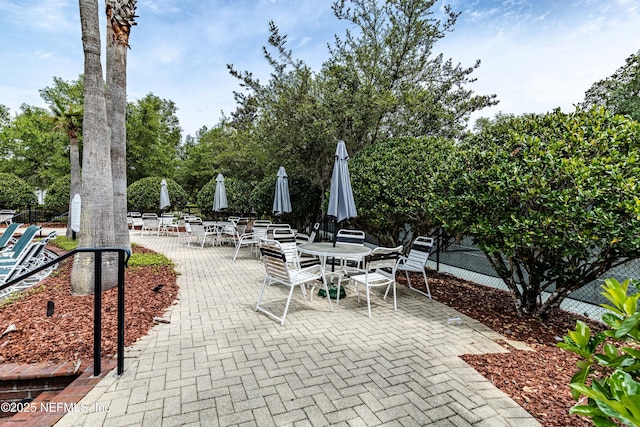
{"x":241,"y":225}
{"x":168,"y":224}
{"x":380,"y":270}
{"x":279,"y":272}
{"x":350,"y":237}
{"x":302,"y":238}
{"x":416,"y":261}
{"x":137,"y":223}
{"x":200,"y":233}
{"x":260,"y":229}
{"x":260,"y":222}
{"x":150,"y":224}
{"x":287,"y":241}
{"x":272,"y":227}
{"x":245,"y":239}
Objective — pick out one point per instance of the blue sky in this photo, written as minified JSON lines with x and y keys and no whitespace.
{"x":536,"y":54}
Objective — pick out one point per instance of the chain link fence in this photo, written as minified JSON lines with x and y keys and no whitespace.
{"x":465,"y":260}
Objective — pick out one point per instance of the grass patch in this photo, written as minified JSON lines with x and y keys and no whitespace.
{"x":149,"y":259}
{"x":64,"y":242}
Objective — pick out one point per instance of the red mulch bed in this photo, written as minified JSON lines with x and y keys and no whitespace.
{"x":67,"y":335}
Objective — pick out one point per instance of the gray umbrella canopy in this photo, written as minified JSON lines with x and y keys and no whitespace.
{"x":281,"y":200}
{"x":220,"y":196}
{"x":164,"y":195}
{"x":341,"y":203}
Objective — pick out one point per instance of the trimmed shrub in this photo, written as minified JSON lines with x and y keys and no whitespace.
{"x":15,"y":193}
{"x":144,"y":195}
{"x":305,"y":201}
{"x":238,"y":197}
{"x":58,"y":194}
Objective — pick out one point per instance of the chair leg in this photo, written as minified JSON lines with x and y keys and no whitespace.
{"x":326,"y":289}
{"x":395,"y":301}
{"x":426,"y":284}
{"x":235,"y":254}
{"x":286,"y":307}
{"x":264,"y":285}
{"x":338,"y":290}
{"x":368,"y":300}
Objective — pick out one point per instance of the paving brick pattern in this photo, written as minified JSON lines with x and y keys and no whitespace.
{"x":220,"y":363}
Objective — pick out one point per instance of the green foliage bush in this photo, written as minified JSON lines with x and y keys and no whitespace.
{"x":238,"y":197}
{"x":552,"y":200}
{"x":305,"y":201}
{"x":609,"y":363}
{"x":57,"y":197}
{"x":144,"y":195}
{"x":15,"y":193}
{"x":393,"y":185}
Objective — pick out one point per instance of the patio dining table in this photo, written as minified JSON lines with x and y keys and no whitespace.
{"x":324,"y":250}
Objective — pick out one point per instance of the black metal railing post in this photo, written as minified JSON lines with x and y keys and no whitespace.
{"x":97,"y":314}
{"x":121,"y":262}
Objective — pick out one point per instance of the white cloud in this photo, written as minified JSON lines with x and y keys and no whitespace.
{"x":52,"y":16}
{"x":536,"y":55}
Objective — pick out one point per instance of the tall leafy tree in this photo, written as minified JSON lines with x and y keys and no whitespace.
{"x":65,"y":100}
{"x":32,"y":148}
{"x":96,"y":222}
{"x":5,"y":117}
{"x":153,"y":138}
{"x":402,"y":88}
{"x":619,"y":93}
{"x":120,"y":18}
{"x":217,"y":150}
{"x":381,"y":80}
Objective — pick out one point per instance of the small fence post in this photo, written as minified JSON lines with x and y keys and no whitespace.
{"x":120,"y":312}
{"x":97,"y":314}
{"x":438,"y":247}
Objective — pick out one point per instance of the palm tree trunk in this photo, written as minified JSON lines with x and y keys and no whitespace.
{"x":119,"y":21}
{"x":96,"y":217}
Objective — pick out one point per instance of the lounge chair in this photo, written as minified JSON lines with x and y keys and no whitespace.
{"x":11,"y":253}
{"x":7,"y":236}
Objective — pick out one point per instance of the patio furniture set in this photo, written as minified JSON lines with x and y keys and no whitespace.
{"x":296,"y":260}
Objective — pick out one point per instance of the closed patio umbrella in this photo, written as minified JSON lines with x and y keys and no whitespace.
{"x":281,"y":199}
{"x":220,"y":196}
{"x":341,"y":203}
{"x":165,"y":202}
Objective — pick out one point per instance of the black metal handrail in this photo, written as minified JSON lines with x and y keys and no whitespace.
{"x":97,"y":301}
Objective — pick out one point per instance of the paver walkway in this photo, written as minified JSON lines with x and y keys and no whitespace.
{"x":221,"y":363}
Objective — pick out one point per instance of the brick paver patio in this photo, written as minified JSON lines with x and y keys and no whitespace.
{"x":220,"y":363}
